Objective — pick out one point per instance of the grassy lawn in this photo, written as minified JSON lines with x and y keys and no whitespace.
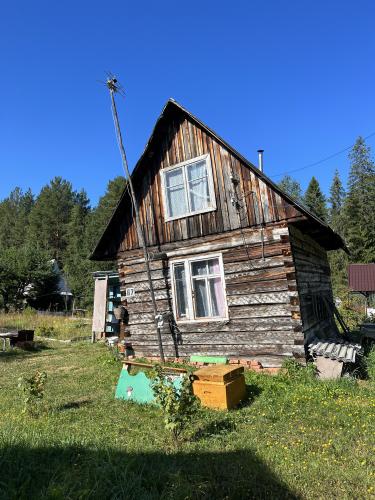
{"x":295,"y":438}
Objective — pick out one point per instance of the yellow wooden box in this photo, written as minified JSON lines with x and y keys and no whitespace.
{"x":221,"y":386}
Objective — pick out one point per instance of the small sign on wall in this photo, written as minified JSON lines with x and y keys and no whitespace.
{"x":129,"y":292}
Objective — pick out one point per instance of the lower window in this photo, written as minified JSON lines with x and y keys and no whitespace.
{"x":198,"y":286}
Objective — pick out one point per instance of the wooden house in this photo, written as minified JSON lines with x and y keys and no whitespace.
{"x":245,"y":271}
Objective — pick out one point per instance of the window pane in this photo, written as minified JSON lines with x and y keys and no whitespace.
{"x":197,"y":170}
{"x":176,"y":201}
{"x":201,"y":299}
{"x":214,"y":266}
{"x":199,"y":194}
{"x":174,"y":177}
{"x":180,"y":283}
{"x":217,"y":297}
{"x":199,"y":268}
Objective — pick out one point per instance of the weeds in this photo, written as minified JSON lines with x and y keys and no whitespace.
{"x":177,"y":403}
{"x":33,"y":392}
{"x":370,"y":364}
{"x":59,"y":327}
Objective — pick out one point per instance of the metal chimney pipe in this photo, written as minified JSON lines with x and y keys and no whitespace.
{"x":260,"y":159}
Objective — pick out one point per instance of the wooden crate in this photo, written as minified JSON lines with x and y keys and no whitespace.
{"x":221,"y":387}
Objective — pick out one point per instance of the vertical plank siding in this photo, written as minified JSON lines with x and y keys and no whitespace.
{"x":314,"y":283}
{"x":184,"y":140}
{"x":260,"y":299}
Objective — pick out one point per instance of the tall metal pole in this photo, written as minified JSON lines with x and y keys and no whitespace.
{"x":111,"y":84}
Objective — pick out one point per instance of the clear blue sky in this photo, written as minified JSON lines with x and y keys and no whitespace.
{"x":293,"y":77}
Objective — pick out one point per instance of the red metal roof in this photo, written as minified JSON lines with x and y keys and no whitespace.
{"x":362,"y":277}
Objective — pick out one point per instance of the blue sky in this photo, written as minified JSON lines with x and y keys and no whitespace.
{"x":293,"y":77}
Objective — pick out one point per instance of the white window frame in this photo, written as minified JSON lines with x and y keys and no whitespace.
{"x":190,"y":316}
{"x":211,"y":188}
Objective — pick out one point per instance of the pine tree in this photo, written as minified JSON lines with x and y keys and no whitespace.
{"x":338,"y":259}
{"x":336,"y":200}
{"x":14,"y":217}
{"x":50,"y":216}
{"x":359,"y":207}
{"x":291,"y":187}
{"x":77,"y":266}
{"x":101,"y":214}
{"x":315,"y":200}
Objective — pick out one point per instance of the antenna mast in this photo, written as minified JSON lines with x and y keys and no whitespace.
{"x":113,"y":89}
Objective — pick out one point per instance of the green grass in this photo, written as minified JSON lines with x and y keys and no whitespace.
{"x":57,"y":327}
{"x":294,"y":438}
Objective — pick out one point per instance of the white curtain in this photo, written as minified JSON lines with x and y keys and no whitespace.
{"x":201,"y":299}
{"x":198,"y":186}
{"x":176,"y":194}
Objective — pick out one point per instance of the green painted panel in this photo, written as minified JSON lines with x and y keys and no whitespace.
{"x":218,"y":360}
{"x":138,"y":387}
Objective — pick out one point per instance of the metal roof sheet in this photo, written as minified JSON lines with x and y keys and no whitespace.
{"x":345,"y":352}
{"x":362,"y":277}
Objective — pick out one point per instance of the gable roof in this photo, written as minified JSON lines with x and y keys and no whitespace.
{"x":328,"y":238}
{"x":362,"y":277}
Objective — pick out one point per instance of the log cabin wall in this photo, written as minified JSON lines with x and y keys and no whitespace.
{"x":262,"y":298}
{"x":184,"y":140}
{"x":314,"y":284}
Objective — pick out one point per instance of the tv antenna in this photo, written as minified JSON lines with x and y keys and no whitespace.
{"x":115,"y":88}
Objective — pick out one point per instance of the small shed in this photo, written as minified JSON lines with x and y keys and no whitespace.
{"x":362,"y":280}
{"x":107,"y":296}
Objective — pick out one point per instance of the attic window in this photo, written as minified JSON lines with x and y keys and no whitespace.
{"x":188,"y":188}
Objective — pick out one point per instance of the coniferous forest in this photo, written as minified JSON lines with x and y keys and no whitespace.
{"x":59,"y":223}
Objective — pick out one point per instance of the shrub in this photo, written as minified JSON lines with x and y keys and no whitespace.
{"x":178,"y":405}
{"x":45,"y":331}
{"x":370,"y":364}
{"x":351,"y":317}
{"x":33,"y":392}
{"x":293,"y":370}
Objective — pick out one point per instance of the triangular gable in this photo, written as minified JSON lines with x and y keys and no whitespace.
{"x":106,"y":247}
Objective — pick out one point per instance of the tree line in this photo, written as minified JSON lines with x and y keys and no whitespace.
{"x":58,"y":224}
{"x":349,"y":211}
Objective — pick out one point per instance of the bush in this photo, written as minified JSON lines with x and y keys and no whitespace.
{"x":351,"y":316}
{"x":45,"y":331}
{"x":33,"y":391}
{"x":178,"y":405}
{"x":293,"y":370}
{"x":370,"y":364}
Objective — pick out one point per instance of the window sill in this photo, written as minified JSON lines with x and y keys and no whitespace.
{"x":200,"y":320}
{"x":190,"y":214}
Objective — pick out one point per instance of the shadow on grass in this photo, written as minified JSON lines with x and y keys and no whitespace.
{"x":215,"y":428}
{"x":252,"y":392}
{"x":76,"y":472}
{"x":74,"y":405}
{"x":17,"y":352}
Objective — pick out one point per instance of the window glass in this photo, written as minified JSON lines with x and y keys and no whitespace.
{"x":201,"y":298}
{"x":217,"y":297}
{"x":214,"y":266}
{"x":199,"y":268}
{"x":176,"y":195}
{"x":181,"y":292}
{"x":199,"y":194}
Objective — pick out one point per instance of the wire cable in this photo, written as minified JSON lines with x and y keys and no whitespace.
{"x":310,"y":165}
